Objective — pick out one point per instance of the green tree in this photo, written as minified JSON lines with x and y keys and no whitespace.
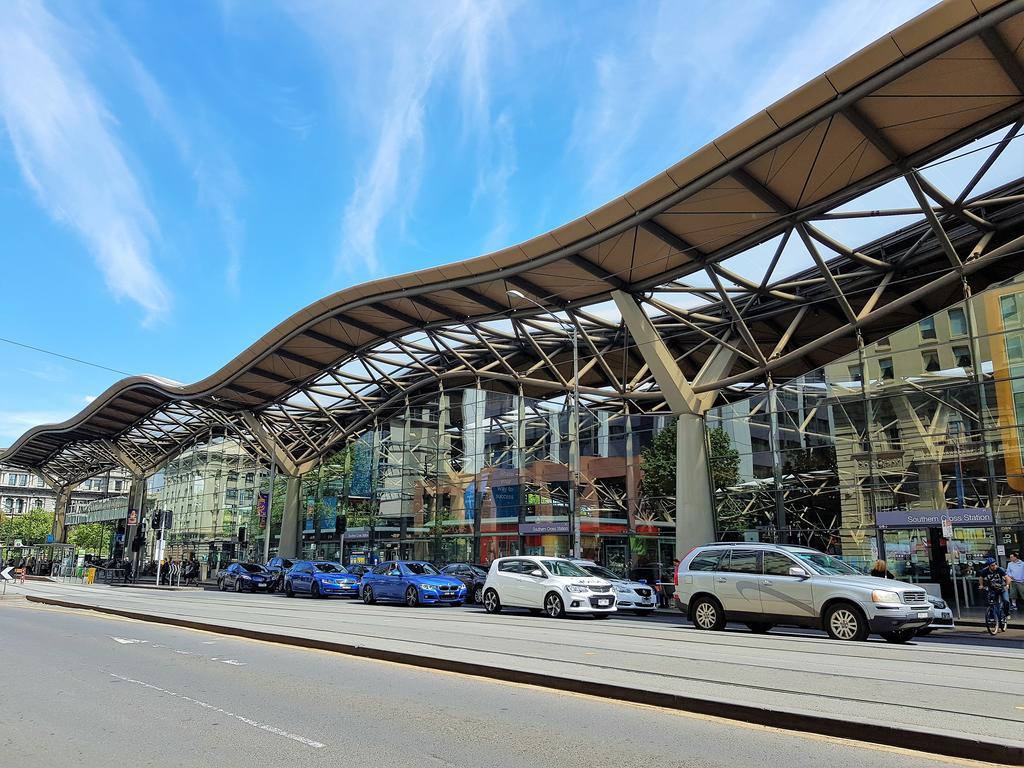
{"x":723,"y":458}
{"x":31,"y":527}
{"x":88,"y":536}
{"x":659,"y":466}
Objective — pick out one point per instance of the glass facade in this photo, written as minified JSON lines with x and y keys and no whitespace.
{"x":865,"y":457}
{"x":469,"y":475}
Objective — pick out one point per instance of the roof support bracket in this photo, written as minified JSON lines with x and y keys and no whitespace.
{"x":269,"y":444}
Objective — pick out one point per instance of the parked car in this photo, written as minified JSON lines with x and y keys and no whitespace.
{"x":245,"y":577}
{"x":942,"y":617}
{"x":763,"y":585}
{"x":553,"y":585}
{"x":473,"y":576}
{"x":320,"y":578}
{"x":413,"y":582}
{"x":278,"y":566}
{"x":636,"y":596}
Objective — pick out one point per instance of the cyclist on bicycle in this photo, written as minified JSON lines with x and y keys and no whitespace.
{"x":994,"y":583}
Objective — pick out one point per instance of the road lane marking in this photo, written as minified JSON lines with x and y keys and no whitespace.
{"x":241,"y":718}
{"x":126,"y":640}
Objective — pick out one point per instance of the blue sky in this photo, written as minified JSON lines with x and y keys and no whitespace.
{"x":177,"y":178}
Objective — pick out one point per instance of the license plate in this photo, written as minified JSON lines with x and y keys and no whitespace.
{"x":604,"y":602}
{"x":923,"y":615}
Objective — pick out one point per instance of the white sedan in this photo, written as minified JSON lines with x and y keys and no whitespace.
{"x":629,"y":595}
{"x":550,"y":584}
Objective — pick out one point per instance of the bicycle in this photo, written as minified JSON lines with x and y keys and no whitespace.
{"x":994,"y":616}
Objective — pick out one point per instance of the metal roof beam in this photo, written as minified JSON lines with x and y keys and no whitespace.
{"x":1006,"y":58}
{"x":398,"y":314}
{"x":597,"y":271}
{"x":484,"y":301}
{"x":323,"y":338}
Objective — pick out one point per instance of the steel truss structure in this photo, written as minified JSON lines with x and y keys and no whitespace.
{"x":699,"y":246}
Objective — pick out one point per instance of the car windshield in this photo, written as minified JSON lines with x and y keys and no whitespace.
{"x":826,"y":564}
{"x":604,"y":573}
{"x":563,"y":568}
{"x":329,"y":568}
{"x":478,"y":570}
{"x":421,"y":569}
{"x":287,"y":563}
{"x":252,"y":567}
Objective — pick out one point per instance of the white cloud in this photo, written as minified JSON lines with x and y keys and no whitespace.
{"x":681,"y":74}
{"x":213,"y":171}
{"x":13,"y":424}
{"x":64,"y":141}
{"x":386,"y":62}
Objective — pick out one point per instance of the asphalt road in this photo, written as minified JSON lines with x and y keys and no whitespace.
{"x":82,"y":689}
{"x":966,"y":685}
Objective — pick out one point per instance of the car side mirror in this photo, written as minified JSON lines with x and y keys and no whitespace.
{"x":799,"y":572}
{"x":537,"y":572}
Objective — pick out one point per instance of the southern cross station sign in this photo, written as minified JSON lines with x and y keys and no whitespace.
{"x":932,"y":518}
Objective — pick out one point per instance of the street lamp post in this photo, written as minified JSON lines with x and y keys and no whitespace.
{"x":575,"y":538}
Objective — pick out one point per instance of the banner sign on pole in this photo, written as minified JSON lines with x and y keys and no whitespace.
{"x":133,"y":517}
{"x":261,"y":508}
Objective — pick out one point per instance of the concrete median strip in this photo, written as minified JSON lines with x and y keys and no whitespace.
{"x":855,"y":729}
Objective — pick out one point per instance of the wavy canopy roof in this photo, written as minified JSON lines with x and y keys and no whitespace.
{"x":941,"y":81}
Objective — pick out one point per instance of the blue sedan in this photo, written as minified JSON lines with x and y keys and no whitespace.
{"x":320,"y":578}
{"x":412,"y":582}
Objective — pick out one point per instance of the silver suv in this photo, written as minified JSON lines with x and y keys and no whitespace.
{"x":763,"y":585}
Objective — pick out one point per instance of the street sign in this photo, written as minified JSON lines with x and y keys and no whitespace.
{"x":947,"y":528}
{"x":17,"y":543}
{"x":49,"y":538}
{"x":5,"y":574}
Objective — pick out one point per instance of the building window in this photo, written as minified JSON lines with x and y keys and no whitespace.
{"x":23,"y":480}
{"x":1009,"y":309}
{"x":962,"y":355}
{"x":856,"y":373}
{"x":250,"y":477}
{"x":118,"y":485}
{"x":232,"y":476}
{"x":927,"y":328}
{"x":930,"y":360}
{"x":40,"y":483}
{"x":886,"y":369}
{"x":957,"y":322}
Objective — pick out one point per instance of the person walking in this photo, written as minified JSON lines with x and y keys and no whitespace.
{"x":880,"y":570}
{"x":1015,"y":570}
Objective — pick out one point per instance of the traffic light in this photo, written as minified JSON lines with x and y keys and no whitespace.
{"x":340,"y":524}
{"x":241,"y":535}
{"x":157,"y":519}
{"x":168,"y":519}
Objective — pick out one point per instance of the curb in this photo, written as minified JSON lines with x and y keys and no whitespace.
{"x":917,"y":739}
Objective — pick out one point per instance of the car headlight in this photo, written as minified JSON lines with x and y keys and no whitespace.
{"x":577,"y":588}
{"x":622,"y":588}
{"x":428,"y":588}
{"x":884,"y":596}
{"x":939,"y":604}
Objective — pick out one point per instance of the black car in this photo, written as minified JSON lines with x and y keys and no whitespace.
{"x":358,"y":568}
{"x":278,"y":566}
{"x":246,"y":577}
{"x":473,"y":576}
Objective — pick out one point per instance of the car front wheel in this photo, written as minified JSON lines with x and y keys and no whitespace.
{"x":412,"y":597}
{"x":368,"y":597}
{"x":492,"y":604}
{"x":238,"y":585}
{"x":220,"y":585}
{"x":314,"y":590}
{"x":553,"y":606}
{"x":288,"y":589}
{"x":843,"y":621}
{"x":478,"y":593}
{"x":706,"y":614}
